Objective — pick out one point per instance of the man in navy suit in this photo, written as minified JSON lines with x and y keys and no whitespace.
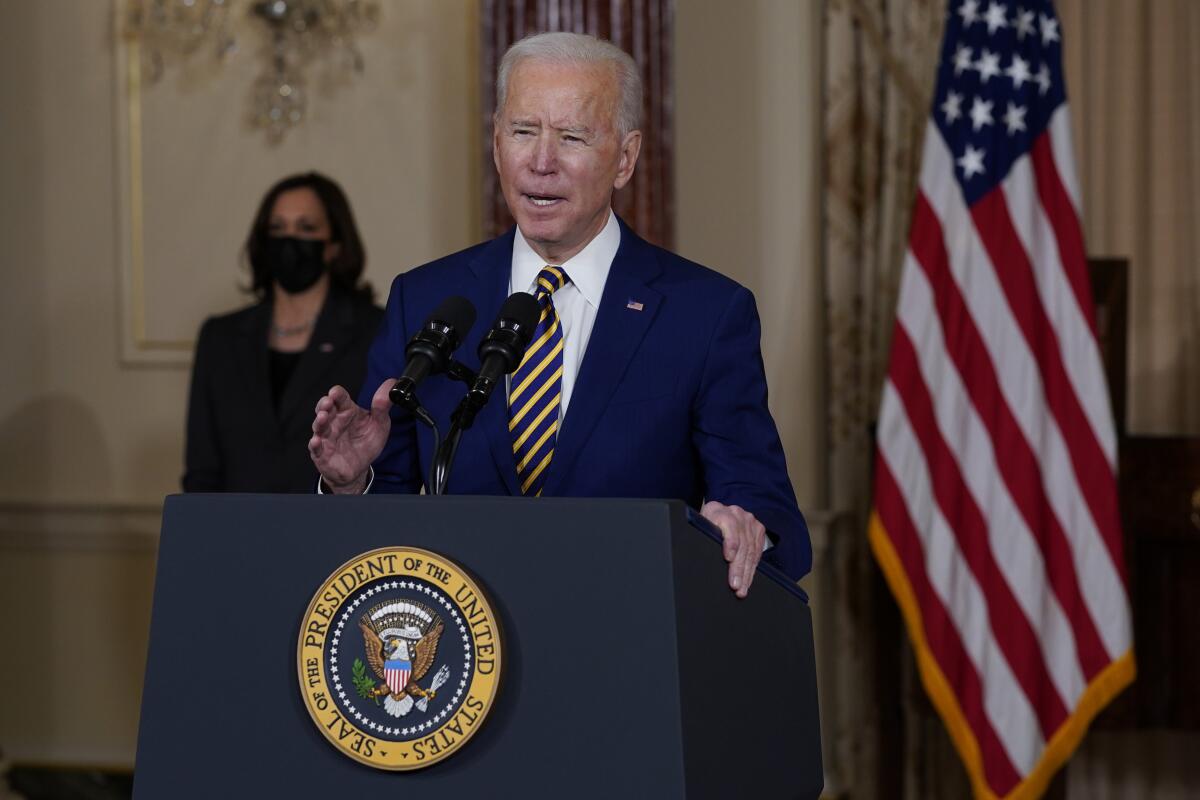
{"x":644,"y":378}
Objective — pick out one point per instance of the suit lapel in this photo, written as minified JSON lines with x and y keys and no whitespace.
{"x":333,"y":332}
{"x":616,"y":335}
{"x":492,"y":268}
{"x":250,"y":354}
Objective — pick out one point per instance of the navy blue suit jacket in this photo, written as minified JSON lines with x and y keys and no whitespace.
{"x":670,"y":400}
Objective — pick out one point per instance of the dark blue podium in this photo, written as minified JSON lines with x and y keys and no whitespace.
{"x":630,"y":669}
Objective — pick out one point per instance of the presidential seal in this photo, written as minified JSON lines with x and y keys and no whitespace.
{"x":399,"y":658}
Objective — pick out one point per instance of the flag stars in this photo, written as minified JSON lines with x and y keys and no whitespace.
{"x":962,"y":59}
{"x":1049,"y":27}
{"x":1023,"y":23}
{"x":1014,"y":118}
{"x":988,"y":65}
{"x":952,"y":107}
{"x":995,"y":18}
{"x":1043,"y":79}
{"x":1019,"y":72}
{"x":981,"y":113}
{"x":971,"y":162}
{"x":969,"y":11}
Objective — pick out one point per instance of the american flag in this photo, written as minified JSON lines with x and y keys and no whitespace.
{"x":396,"y":674}
{"x":996,"y":519}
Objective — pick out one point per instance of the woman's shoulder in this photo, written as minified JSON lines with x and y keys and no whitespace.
{"x":232,"y":322}
{"x":358,"y":307}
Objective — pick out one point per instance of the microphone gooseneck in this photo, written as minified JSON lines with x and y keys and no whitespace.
{"x":428,"y":353}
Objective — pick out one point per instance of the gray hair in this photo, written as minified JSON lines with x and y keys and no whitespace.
{"x":578,"y":49}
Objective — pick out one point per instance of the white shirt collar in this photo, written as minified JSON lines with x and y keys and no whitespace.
{"x":588,"y":269}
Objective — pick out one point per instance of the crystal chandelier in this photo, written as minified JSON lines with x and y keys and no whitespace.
{"x":300,"y":33}
{"x":177,"y":29}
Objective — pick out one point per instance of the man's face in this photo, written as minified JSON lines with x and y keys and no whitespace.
{"x":558,"y":153}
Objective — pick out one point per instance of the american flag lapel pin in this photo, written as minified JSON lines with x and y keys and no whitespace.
{"x":634,"y":304}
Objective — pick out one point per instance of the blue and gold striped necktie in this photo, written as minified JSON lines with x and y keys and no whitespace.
{"x":536,"y":390}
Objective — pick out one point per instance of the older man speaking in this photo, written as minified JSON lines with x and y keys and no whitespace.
{"x":644,"y":376}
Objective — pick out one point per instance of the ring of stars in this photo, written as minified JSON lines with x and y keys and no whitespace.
{"x":350,"y":711}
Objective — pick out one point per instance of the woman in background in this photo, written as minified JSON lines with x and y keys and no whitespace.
{"x":259,"y":372}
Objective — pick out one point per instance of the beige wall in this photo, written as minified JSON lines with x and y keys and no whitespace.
{"x":91,"y":418}
{"x":747,"y":120}
{"x":73,"y":673}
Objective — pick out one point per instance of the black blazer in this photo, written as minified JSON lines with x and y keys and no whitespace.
{"x":236,"y":442}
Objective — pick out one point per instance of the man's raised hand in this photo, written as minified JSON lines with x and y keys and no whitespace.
{"x":347,"y":439}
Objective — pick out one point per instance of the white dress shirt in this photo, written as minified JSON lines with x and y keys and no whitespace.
{"x":578,"y":301}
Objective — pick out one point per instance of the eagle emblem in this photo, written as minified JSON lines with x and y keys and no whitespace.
{"x":401,"y":641}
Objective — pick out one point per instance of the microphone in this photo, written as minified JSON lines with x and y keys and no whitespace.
{"x":428,"y":352}
{"x":500,"y":353}
{"x":501,"y":350}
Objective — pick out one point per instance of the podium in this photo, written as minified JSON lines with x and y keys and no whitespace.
{"x":629,"y":669}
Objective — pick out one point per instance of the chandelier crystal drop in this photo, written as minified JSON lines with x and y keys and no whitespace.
{"x":299,"y":33}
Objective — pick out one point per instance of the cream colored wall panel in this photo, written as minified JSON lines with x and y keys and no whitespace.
{"x":74,"y":426}
{"x":747,"y":166}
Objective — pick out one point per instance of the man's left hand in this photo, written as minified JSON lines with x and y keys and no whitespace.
{"x":744,"y":537}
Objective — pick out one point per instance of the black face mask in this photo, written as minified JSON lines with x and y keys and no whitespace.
{"x":296,"y":264}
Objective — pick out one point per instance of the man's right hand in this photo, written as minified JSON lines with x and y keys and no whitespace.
{"x":347,"y":439}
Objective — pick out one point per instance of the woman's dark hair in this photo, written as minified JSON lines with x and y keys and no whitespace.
{"x":347,"y":266}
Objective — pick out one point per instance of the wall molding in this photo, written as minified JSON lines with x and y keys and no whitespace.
{"x":80,"y":527}
{"x":137,"y":346}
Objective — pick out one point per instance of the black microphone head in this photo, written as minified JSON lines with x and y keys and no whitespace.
{"x":428,"y":351}
{"x":510,"y":335}
{"x":520,"y":308}
{"x":457,"y":313}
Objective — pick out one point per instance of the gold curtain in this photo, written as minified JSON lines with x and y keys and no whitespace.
{"x":1132,"y":80}
{"x":880,"y":57}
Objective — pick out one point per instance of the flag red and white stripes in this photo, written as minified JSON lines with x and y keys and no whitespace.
{"x":995,"y":517}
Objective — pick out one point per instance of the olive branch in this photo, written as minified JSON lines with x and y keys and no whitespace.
{"x":364,"y":685}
